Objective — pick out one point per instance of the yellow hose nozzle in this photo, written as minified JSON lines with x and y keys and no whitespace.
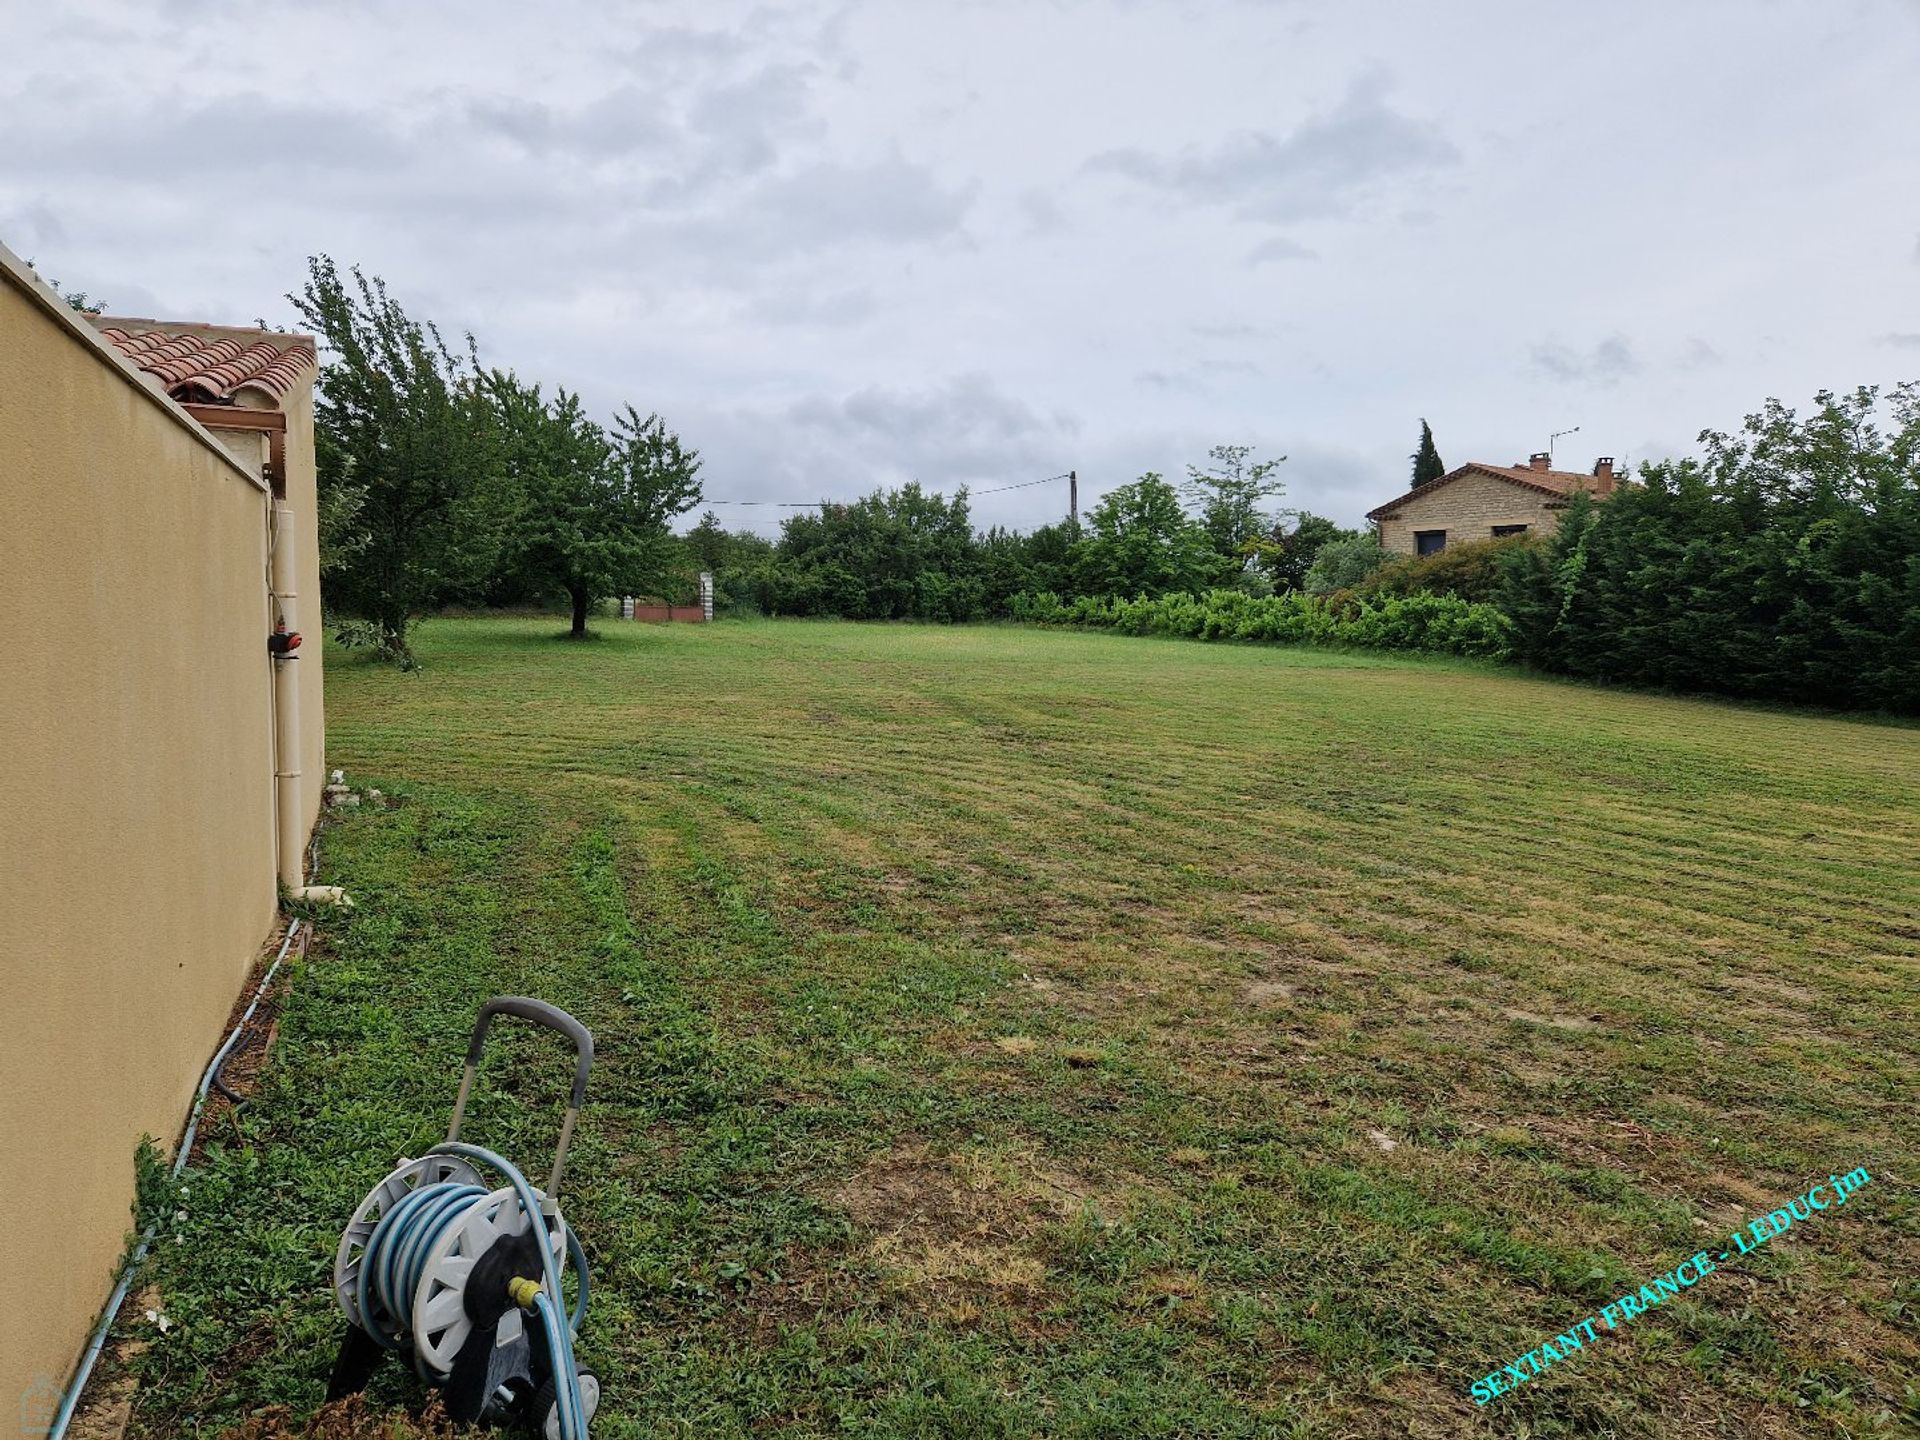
{"x":523,"y":1291}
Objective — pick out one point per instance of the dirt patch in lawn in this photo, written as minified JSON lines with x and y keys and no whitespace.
{"x":1556,"y":1022}
{"x":950,"y":1232}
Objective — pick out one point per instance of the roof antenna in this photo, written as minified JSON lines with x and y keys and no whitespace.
{"x":1555,"y":436}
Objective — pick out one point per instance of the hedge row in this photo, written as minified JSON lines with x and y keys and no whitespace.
{"x":1440,"y":624}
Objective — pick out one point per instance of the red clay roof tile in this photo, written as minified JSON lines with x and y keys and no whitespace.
{"x":211,"y":364}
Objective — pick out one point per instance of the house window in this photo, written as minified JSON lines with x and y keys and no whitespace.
{"x":1429,"y":542}
{"x":1500,"y":530}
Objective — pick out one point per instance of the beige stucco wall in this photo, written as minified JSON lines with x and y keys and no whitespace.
{"x":1468,"y":509}
{"x":136,"y":802}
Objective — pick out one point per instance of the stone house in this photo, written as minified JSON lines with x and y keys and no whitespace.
{"x":1484,"y":502}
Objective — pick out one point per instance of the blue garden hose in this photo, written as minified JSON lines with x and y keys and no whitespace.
{"x":394,"y":1266}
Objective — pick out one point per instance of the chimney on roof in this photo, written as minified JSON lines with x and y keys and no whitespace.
{"x":1540,"y":460}
{"x":1603,"y":475}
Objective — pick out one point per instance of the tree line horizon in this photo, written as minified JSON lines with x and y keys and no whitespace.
{"x":1783,"y":563}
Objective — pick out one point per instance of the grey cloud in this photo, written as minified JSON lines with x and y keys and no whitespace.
{"x":802,"y":304}
{"x":251,"y":134}
{"x":1699,"y":355}
{"x":31,"y":225}
{"x":832,"y":203}
{"x":623,"y":120}
{"x":723,"y":127}
{"x":1195,"y":377}
{"x":1279,"y":247}
{"x":1335,"y":482}
{"x":527,"y":123}
{"x":1234,"y":331}
{"x":967,"y":415}
{"x":963,"y":430}
{"x":671,"y":45}
{"x":1042,"y":211}
{"x":741,"y":128}
{"x":687,"y":203}
{"x":1606,"y":363}
{"x":773,"y":96}
{"x":1317,"y":170}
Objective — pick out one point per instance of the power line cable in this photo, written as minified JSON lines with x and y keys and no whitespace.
{"x":1023,"y":484}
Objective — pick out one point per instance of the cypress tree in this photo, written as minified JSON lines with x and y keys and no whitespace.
{"x":1427,"y":464}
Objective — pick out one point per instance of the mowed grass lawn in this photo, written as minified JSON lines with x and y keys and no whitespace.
{"x":1014,"y":1033}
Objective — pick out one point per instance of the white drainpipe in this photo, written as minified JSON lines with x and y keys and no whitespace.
{"x":286,"y":707}
{"x":286,"y":724}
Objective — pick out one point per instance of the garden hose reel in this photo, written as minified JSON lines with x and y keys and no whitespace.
{"x":466,"y":1278}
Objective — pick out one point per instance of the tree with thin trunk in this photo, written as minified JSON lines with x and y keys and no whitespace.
{"x":595,"y":505}
{"x":407,"y":452}
{"x":1231,"y":497}
{"x":1427,"y":464}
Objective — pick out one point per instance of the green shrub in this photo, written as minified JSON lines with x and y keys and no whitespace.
{"x":1041,"y":607}
{"x":1342,"y":564}
{"x":1471,"y":570}
{"x":1441,"y":624}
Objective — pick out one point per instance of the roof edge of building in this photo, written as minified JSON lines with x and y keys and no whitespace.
{"x":24,"y":278}
{"x":1497,"y":472}
{"x":206,"y":363}
{"x":300,"y":339}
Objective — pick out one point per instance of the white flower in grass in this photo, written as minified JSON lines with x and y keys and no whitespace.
{"x":159,"y":1318}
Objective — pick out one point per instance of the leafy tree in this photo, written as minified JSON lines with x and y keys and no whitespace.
{"x":1230,"y":498}
{"x":710,"y":545}
{"x":1427,"y":464}
{"x":341,"y":536}
{"x":1285,"y":554}
{"x":1141,"y":542}
{"x":1538,"y":583}
{"x":404,"y":422}
{"x":654,"y":477}
{"x":894,"y":555}
{"x":1342,"y":564}
{"x":594,"y":507}
{"x":1012,"y":563}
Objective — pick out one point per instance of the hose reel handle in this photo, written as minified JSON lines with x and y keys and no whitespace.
{"x":541,"y":1013}
{"x":554,"y":1018}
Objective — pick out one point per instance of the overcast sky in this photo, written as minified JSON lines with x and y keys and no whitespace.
{"x":980,"y":242}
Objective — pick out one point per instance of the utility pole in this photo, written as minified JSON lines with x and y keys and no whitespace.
{"x":1073,"y":496}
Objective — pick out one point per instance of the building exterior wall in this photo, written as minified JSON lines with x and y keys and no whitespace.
{"x":136,"y":799}
{"x":1468,"y":509}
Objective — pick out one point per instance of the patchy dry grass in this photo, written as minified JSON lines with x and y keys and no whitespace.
{"x":1011,"y":1033}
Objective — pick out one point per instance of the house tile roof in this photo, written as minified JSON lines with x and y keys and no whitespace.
{"x":1551,"y":482}
{"x":212,"y":364}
